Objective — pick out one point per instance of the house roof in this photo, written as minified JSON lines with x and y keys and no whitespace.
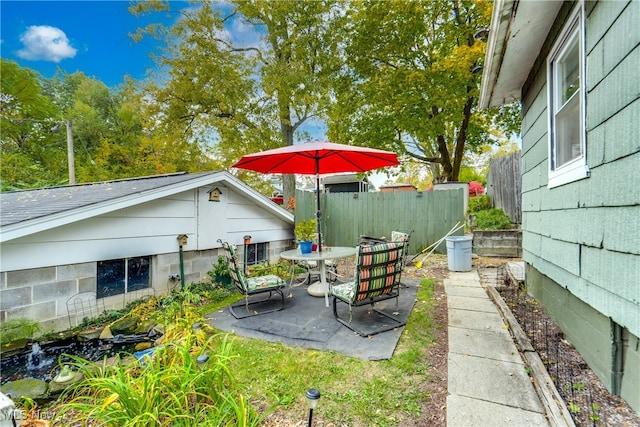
{"x":343,"y":179}
{"x":29,"y":211}
{"x":518,"y":31}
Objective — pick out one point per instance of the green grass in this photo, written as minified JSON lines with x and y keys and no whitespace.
{"x":246,"y":379}
{"x":354,"y":392}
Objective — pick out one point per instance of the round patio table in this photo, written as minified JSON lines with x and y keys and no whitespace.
{"x":320,"y":288}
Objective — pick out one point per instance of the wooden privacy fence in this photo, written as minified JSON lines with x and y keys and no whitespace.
{"x":347,"y":216}
{"x":504,"y":185}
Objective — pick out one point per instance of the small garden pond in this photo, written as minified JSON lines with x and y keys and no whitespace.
{"x":42,"y":360}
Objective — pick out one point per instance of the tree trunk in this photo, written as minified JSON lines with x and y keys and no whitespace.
{"x":288,"y":180}
{"x":462,"y":138}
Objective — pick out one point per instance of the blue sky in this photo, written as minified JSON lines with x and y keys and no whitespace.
{"x":87,"y":36}
{"x":93,"y":37}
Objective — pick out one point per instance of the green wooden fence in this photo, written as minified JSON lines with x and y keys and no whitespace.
{"x":347,"y":216}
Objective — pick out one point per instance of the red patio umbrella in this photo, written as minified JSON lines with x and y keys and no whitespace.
{"x":317,"y":158}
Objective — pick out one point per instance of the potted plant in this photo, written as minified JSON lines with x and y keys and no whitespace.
{"x":305,"y":232}
{"x":221,"y":271}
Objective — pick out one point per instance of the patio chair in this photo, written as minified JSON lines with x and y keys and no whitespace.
{"x":396,"y":236}
{"x":377,"y":278}
{"x":313,"y":270}
{"x":249,"y":286}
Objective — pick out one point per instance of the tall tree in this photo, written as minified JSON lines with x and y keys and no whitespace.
{"x":244,"y":98}
{"x":413,"y":80}
{"x":32,"y":154}
{"x":107,"y":131}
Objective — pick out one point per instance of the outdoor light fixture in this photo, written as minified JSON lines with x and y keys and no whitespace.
{"x":312,"y":398}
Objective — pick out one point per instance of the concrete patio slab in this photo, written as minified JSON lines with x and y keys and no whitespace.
{"x":501,"y":382}
{"x":476,"y":320}
{"x":473,"y":283}
{"x":488,"y":384}
{"x":468,"y":412}
{"x":495,"y":345}
{"x":466,"y":291}
{"x":471,"y":303}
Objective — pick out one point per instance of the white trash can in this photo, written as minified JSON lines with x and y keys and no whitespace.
{"x":459,"y":253}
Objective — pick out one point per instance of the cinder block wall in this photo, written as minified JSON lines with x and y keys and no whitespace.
{"x":41,"y":294}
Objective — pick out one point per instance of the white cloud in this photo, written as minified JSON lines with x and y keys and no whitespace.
{"x":45,"y":43}
{"x":244,"y":35}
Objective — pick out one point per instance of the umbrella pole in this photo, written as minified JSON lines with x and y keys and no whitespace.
{"x":318,"y":213}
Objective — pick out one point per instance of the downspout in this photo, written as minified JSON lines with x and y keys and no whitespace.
{"x":617,"y":369}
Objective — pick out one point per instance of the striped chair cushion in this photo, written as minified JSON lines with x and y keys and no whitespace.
{"x":250,"y":284}
{"x":375,"y":273}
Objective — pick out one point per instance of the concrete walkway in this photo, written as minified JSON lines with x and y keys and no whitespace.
{"x":488,"y":381}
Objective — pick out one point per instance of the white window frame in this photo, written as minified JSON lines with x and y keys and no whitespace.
{"x":575,"y":168}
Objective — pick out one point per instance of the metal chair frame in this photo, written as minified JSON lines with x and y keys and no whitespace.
{"x":369,"y":272}
{"x":240,"y":281}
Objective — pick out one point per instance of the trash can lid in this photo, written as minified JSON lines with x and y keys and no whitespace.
{"x":458,"y":238}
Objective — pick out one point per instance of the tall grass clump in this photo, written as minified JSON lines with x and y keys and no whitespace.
{"x":173,"y":387}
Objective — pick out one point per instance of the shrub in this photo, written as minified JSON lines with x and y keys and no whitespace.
{"x":221,"y":269}
{"x":475,"y":189}
{"x":281,"y":269}
{"x":172,"y":387}
{"x":479,"y":203}
{"x":492,"y":219}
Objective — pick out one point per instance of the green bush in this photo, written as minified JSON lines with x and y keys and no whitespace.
{"x":479,"y":203}
{"x":172,"y":387}
{"x":492,"y":219}
{"x":221,"y":269}
{"x":281,"y":269}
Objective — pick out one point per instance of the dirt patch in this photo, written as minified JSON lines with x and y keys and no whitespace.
{"x":434,"y":409}
{"x":586,"y":397}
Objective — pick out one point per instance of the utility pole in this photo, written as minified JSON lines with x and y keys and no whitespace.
{"x":70,"y":156}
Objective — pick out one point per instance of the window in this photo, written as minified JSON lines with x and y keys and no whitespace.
{"x":256,"y":252}
{"x":565,"y":78}
{"x":119,"y":276}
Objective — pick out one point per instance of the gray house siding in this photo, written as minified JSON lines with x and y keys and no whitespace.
{"x":581,"y":240}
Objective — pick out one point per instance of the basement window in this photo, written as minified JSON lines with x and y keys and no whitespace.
{"x":256,"y":252}
{"x":566,"y":97}
{"x":120,"y":276}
